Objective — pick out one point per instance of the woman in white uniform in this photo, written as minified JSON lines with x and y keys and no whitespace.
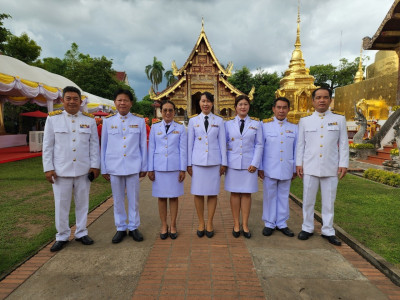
{"x":206,"y":160}
{"x":244,"y":152}
{"x":167,"y":165}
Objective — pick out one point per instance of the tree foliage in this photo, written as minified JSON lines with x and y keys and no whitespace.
{"x":169,"y":76}
{"x":336,"y":76}
{"x":154,"y":73}
{"x":265,"y":86}
{"x":4,"y":32}
{"x":22,"y":48}
{"x":144,"y":107}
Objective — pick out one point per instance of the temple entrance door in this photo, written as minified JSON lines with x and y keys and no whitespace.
{"x":195,"y":104}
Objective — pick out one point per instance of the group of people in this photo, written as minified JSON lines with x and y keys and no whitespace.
{"x":242,"y":148}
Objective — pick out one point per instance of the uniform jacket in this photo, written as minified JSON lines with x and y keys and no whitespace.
{"x":243,"y":149}
{"x":123,"y":145}
{"x":206,"y":148}
{"x":70,"y":144}
{"x":322,"y":144}
{"x":279,"y":155}
{"x":167,"y":151}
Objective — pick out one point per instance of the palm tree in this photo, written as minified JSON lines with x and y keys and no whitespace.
{"x":169,"y":76}
{"x":154,"y":73}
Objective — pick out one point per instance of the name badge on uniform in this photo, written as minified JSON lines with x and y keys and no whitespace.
{"x":289,"y":131}
{"x":133,"y":126}
{"x":251,"y":127}
{"x":199,"y":138}
{"x":175,"y":132}
{"x":332,"y":124}
{"x":84,"y":126}
{"x":214,"y":125}
{"x":159,"y":133}
{"x":197,"y":125}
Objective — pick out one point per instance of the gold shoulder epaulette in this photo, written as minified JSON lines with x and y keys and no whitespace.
{"x":137,"y":115}
{"x":255,"y":119}
{"x":54,"y":113}
{"x":291,"y":122}
{"x":192,"y":116}
{"x":307,"y":115}
{"x":231,"y":118}
{"x":268,"y":120}
{"x":113,"y":114}
{"x":338,"y":112}
{"x":87,"y":114}
{"x":156,"y":121}
{"x":219,"y":116}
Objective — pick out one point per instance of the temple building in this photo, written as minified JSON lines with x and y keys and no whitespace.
{"x":297,"y":84}
{"x":202,"y":72}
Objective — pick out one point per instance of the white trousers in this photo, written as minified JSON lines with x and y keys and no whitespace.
{"x":328,"y":196}
{"x":275,"y":202}
{"x":62,"y":189}
{"x":119,"y":184}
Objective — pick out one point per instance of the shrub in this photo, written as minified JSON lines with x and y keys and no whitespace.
{"x":396,"y":107}
{"x":362,"y":146}
{"x":382,"y":176}
{"x":394,"y":152}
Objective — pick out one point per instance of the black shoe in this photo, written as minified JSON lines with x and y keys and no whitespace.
{"x":119,"y":236}
{"x":286,"y":231}
{"x":332,"y":239}
{"x":236,"y":234}
{"x":200,"y":233}
{"x":86,"y":240}
{"x":268,"y":231}
{"x":58,"y":245}
{"x":304,"y":235}
{"x":209,"y":234}
{"x":173,"y":235}
{"x":247,"y":235}
{"x":137,"y":236}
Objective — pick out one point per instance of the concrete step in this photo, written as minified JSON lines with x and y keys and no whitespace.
{"x":375,"y":158}
{"x":382,"y":154}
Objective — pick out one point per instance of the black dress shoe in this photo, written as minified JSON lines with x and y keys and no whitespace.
{"x":173,"y":235}
{"x":137,"y":236}
{"x":58,"y":245}
{"x":268,"y":231}
{"x":236,"y":234}
{"x":247,"y":235}
{"x":200,"y":233}
{"x":286,"y":231}
{"x":210,"y":234}
{"x":332,"y":239}
{"x":86,"y":240}
{"x":304,"y":235}
{"x":119,"y":236}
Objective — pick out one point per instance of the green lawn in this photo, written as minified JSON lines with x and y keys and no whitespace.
{"x":27,"y":210}
{"x":368,"y":211}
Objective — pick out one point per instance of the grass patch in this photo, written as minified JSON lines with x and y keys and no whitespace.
{"x":368,"y":211}
{"x":27,"y":210}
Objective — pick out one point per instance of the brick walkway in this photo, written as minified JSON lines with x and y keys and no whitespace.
{"x":193,"y":267}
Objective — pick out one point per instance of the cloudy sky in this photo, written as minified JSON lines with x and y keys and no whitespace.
{"x":252,"y":33}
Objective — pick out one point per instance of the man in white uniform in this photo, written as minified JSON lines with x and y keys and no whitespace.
{"x":70,"y":158}
{"x":278,"y":167}
{"x":123,"y":161}
{"x":322,"y":159}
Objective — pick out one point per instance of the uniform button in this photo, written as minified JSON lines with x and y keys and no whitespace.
{"x":74,"y":159}
{"x":321,"y":146}
{"x":281,"y":159}
{"x":124,"y":154}
{"x":206,"y":136}
{"x":322,"y":126}
{"x":281,"y":142}
{"x":206,"y":150}
{"x":320,"y":155}
{"x":166,"y":155}
{"x":241,"y":139}
{"x":166,"y":146}
{"x":73,"y":121}
{"x":123,"y":121}
{"x":124,"y":146}
{"x":124,"y":137}
{"x":206,"y":143}
{"x":166,"y":138}
{"x":281,"y":133}
{"x":322,"y":136}
{"x":240,"y":153}
{"x":123,"y":128}
{"x":73,"y":140}
{"x":74,"y":149}
{"x":73,"y":130}
{"x":281,"y":150}
{"x":322,"y":117}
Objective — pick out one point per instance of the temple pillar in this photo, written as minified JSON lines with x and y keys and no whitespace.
{"x":2,"y":128}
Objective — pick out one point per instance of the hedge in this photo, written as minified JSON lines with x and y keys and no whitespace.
{"x":382,"y":176}
{"x":362,"y":146}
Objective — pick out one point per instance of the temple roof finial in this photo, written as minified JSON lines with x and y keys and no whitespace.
{"x":202,"y":24}
{"x":360,"y":73}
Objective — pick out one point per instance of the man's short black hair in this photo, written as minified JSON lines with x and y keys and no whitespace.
{"x":125,"y":92}
{"x":73,"y":90}
{"x":322,"y":88}
{"x":281,"y":99}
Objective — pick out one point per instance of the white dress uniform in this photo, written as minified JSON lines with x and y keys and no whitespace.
{"x":206,"y":153}
{"x":167,"y":157}
{"x":321,"y":149}
{"x":70,"y":148}
{"x":243,"y":150}
{"x":278,"y":163}
{"x":124,"y":156}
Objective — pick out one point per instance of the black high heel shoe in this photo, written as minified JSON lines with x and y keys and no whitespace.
{"x":173,"y":235}
{"x":163,"y":236}
{"x":236,"y":234}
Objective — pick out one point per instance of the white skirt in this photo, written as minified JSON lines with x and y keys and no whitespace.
{"x":241,"y":181}
{"x":167,"y":185}
{"x":205,"y":180}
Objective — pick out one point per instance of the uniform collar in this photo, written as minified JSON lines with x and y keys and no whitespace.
{"x":280,"y":122}
{"x":123,"y":117}
{"x":209,"y":115}
{"x":324,"y":114}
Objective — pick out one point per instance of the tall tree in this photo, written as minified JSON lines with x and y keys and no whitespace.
{"x":336,"y":76}
{"x":22,"y":48}
{"x":154,"y":73}
{"x":169,"y":76}
{"x":4,"y":32}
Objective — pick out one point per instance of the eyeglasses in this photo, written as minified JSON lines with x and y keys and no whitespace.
{"x":167,"y":110}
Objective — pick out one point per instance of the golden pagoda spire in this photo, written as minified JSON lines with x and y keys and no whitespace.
{"x":360,"y":73}
{"x":202,"y":24}
{"x":298,"y":44}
